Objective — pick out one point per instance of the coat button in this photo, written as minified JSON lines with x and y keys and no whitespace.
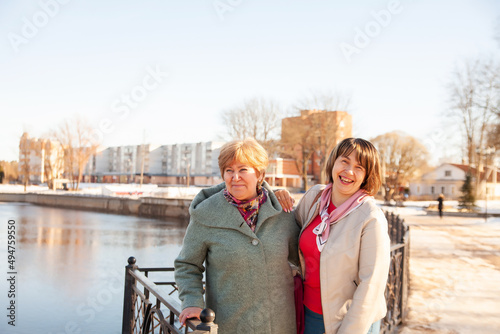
{"x":255,"y":242}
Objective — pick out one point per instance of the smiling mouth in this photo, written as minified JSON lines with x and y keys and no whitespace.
{"x":344,"y":180}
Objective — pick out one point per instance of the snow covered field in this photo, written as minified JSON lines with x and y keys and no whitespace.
{"x":454,"y":273}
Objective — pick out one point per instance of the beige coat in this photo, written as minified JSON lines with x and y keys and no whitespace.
{"x":354,"y":265}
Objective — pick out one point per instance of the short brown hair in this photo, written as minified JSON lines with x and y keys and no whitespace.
{"x":367,"y":156}
{"x":247,"y":151}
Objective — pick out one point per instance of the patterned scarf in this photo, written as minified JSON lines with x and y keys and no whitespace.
{"x":249,"y":210}
{"x":323,"y":229}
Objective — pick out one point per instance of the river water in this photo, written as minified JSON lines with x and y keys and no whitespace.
{"x":68,"y":266}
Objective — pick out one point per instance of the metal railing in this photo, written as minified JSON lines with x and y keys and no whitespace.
{"x":147,"y":308}
{"x":396,"y":292}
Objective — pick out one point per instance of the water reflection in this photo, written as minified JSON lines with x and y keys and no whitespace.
{"x":71,"y":263}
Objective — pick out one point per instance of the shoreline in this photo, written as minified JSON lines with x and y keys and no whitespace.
{"x":149,"y":207}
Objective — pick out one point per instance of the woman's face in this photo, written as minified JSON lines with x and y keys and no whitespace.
{"x":241,"y":181}
{"x":348,"y":175}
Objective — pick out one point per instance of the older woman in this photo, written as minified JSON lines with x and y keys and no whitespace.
{"x":344,"y":244}
{"x":240,"y":235}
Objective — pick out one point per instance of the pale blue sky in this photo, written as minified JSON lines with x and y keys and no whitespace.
{"x":85,"y":55}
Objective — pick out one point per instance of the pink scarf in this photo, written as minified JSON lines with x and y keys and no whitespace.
{"x":323,"y":229}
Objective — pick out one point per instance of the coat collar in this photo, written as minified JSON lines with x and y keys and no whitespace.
{"x":210,"y":208}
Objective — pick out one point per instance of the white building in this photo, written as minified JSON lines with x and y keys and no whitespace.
{"x":165,"y":164}
{"x":447,"y":179}
{"x":41,"y":160}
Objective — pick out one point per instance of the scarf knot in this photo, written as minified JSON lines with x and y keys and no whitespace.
{"x":249,"y":209}
{"x":322,"y":231}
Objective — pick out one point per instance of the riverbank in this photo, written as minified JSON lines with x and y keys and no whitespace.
{"x":150,"y":207}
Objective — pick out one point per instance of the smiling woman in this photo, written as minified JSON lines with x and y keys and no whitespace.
{"x":344,"y":246}
{"x":240,"y":235}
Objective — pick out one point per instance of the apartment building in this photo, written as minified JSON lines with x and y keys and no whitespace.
{"x":40,"y":160}
{"x":158,"y":164}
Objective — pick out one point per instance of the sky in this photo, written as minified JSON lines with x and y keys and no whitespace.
{"x":162,"y":72}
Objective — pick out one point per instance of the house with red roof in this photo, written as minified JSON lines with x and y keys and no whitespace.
{"x":447,"y":179}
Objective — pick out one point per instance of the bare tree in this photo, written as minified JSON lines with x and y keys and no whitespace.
{"x":329,"y":100}
{"x":475,"y":100}
{"x":298,"y":143}
{"x":79,"y":145}
{"x":401,"y":157}
{"x":311,"y":136}
{"x":256,"y":117}
{"x":25,"y":168}
{"x":54,"y":161}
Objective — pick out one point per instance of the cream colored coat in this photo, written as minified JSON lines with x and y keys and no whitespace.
{"x":354,"y":265}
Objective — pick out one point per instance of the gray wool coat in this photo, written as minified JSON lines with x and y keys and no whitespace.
{"x":249,"y":281}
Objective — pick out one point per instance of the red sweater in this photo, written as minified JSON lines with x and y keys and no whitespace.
{"x":312,"y":283}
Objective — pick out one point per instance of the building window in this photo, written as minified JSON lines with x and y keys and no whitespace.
{"x":447,"y":173}
{"x":442,"y":190}
{"x":432,"y":190}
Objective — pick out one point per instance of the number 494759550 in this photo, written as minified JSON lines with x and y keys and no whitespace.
{"x":11,"y":250}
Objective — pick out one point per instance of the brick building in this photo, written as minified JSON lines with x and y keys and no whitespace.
{"x":316,"y":132}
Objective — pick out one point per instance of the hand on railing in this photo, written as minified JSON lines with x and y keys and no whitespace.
{"x":189,"y":312}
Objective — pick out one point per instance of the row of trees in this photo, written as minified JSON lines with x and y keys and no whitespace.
{"x":66,"y":151}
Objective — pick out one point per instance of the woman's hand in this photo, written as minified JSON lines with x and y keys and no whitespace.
{"x":285,"y":199}
{"x":189,"y":312}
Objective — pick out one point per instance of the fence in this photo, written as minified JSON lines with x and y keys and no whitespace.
{"x":151,"y":310}
{"x":396,"y":292}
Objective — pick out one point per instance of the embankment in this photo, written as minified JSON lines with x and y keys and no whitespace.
{"x":150,"y":207}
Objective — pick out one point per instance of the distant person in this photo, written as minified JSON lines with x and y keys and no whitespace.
{"x":244,"y":240}
{"x":344,"y":245}
{"x":440,"y":200}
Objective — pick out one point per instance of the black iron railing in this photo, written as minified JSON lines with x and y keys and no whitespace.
{"x":147,"y":308}
{"x":396,"y":293}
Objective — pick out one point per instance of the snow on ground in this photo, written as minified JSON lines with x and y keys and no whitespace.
{"x":111,"y":189}
{"x":454,"y":274}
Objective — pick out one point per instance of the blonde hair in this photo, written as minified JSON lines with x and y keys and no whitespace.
{"x":367,"y":156}
{"x":247,"y":151}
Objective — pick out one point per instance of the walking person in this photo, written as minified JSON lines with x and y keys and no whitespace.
{"x":239,"y":234}
{"x":344,"y":246}
{"x":440,"y":200}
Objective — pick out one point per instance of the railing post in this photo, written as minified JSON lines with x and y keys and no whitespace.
{"x":207,"y":317}
{"x":128,"y":298}
{"x":406,"y":274}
